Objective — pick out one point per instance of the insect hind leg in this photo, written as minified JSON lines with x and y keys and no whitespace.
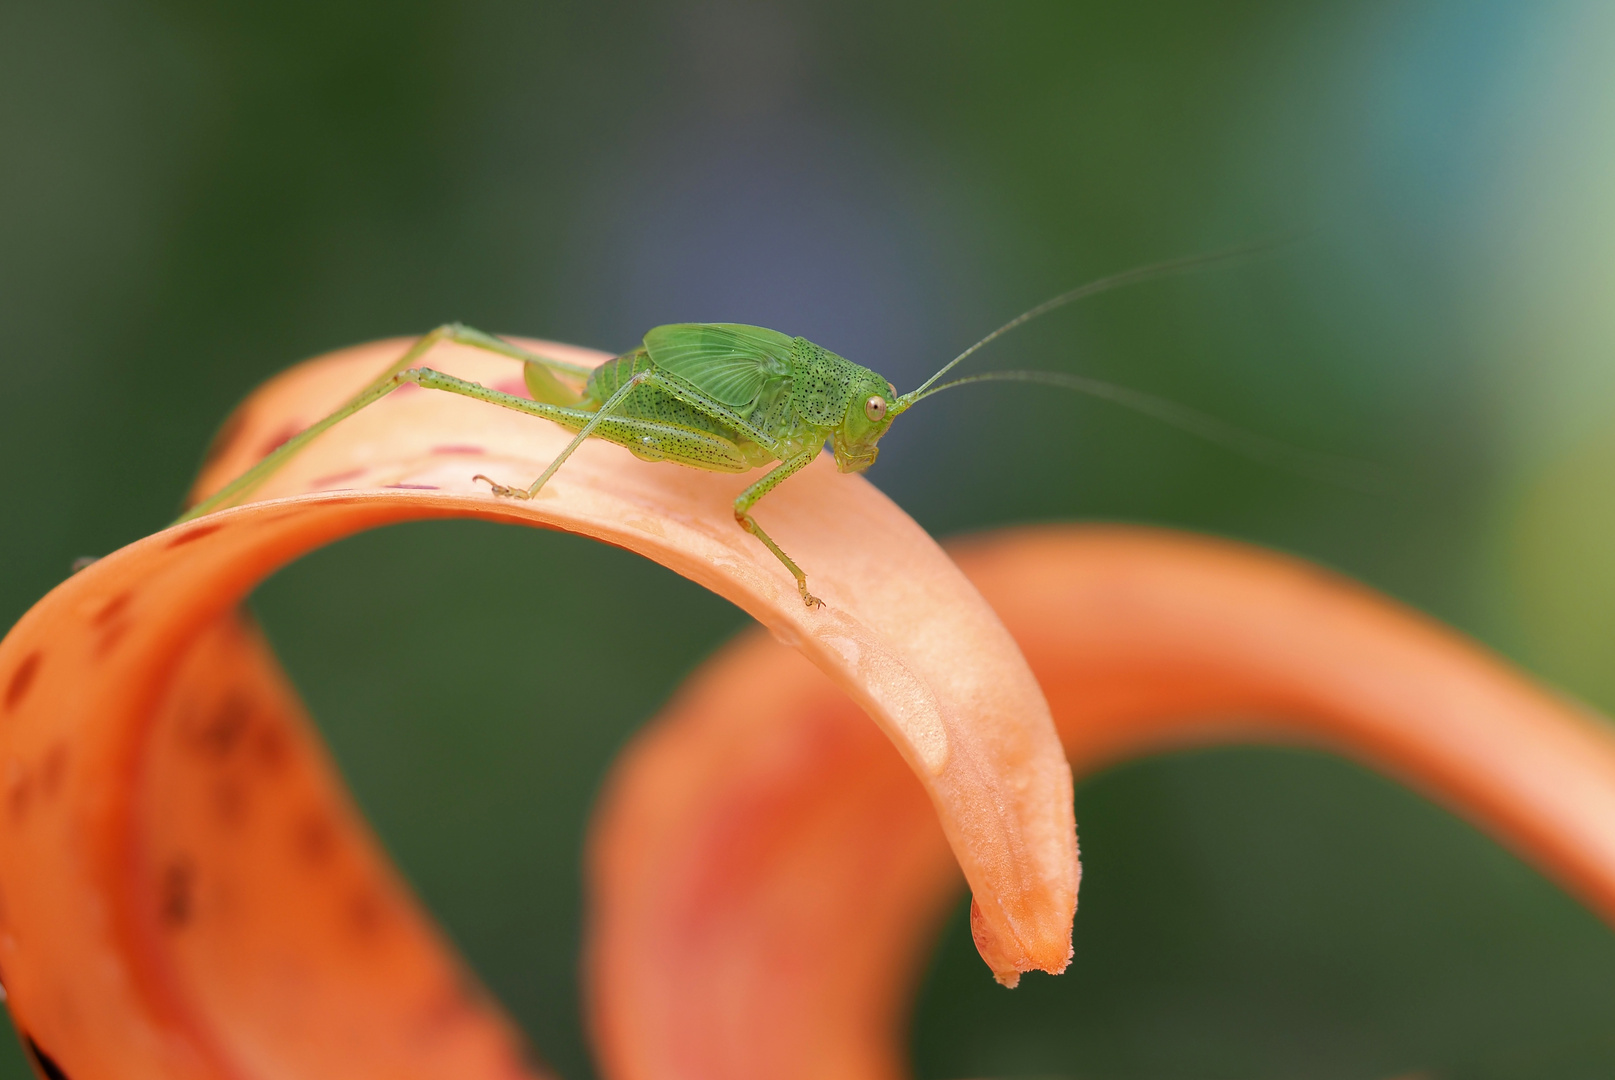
{"x":538,"y":372}
{"x":398,"y":373}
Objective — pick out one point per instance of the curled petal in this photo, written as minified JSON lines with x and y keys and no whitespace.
{"x":185,"y":890}
{"x":764,"y":882}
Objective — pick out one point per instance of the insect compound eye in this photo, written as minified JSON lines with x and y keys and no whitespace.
{"x":875,"y":408}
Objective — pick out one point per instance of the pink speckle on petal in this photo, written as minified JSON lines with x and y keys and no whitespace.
{"x":336,"y":478}
{"x":415,"y":487}
{"x":513,"y":387}
{"x":457,"y":448}
{"x":281,"y":437}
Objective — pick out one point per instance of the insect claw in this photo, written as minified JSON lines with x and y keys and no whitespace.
{"x":501,"y":490}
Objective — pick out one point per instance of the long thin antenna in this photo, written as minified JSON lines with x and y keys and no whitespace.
{"x":1181,"y":265}
{"x":1346,"y":472}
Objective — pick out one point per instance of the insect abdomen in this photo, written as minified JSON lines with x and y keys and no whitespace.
{"x":652,"y":441}
{"x":659,"y":427}
{"x":648,"y":402}
{"x":605,"y":379}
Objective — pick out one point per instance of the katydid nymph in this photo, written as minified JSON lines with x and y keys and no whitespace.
{"x":728,"y":397}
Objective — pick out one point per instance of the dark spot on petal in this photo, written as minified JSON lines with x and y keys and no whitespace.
{"x":111,"y":621}
{"x":336,"y":498}
{"x":315,"y":838}
{"x":19,"y":794}
{"x":445,"y":1006}
{"x":279,"y":439}
{"x":224,"y":436}
{"x":224,"y":727}
{"x":42,"y":1061}
{"x":269,"y":748}
{"x":176,"y":899}
{"x":456,"y":448}
{"x":336,"y":478}
{"x":192,"y":535}
{"x":53,"y":771}
{"x":365,"y":912}
{"x":112,"y":608}
{"x":109,"y":639}
{"x":230,"y":802}
{"x":415,"y":487}
{"x":22,"y":679}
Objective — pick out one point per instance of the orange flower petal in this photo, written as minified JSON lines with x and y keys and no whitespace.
{"x":185,"y":891}
{"x":765,"y":875}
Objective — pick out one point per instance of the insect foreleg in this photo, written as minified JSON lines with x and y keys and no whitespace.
{"x":749,"y":498}
{"x":603,"y":413}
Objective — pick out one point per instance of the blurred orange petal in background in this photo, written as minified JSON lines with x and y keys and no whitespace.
{"x":766,"y":877}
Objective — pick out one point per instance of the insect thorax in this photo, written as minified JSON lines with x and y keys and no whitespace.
{"x":821,"y":383}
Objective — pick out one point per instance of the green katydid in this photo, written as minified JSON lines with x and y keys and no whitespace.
{"x":727,"y":397}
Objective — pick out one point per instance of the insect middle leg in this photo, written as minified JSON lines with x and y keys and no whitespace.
{"x":749,"y":498}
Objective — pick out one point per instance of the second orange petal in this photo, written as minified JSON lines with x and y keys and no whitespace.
{"x":765,"y":880}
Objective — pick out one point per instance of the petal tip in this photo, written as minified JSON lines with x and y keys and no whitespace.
{"x":1008,"y":959}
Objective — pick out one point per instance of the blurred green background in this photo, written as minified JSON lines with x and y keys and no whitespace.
{"x":193,"y":196}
